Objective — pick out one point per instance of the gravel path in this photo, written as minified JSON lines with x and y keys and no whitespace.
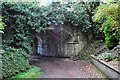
{"x":65,"y":68}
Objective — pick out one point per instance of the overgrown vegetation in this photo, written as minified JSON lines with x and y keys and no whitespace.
{"x":13,"y":62}
{"x":108,"y":15}
{"x":25,"y":20}
{"x":106,"y":56}
{"x":16,"y":39}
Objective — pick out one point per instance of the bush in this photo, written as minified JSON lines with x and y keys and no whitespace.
{"x":110,"y":35}
{"x":106,"y":56}
{"x":108,"y":15}
{"x":13,"y":62}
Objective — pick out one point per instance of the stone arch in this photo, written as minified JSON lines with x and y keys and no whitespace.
{"x":60,"y":41}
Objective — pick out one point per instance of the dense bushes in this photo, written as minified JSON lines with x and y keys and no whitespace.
{"x":106,"y":56}
{"x":108,"y":14}
{"x":13,"y":62}
{"x":20,"y":25}
{"x":110,"y":38}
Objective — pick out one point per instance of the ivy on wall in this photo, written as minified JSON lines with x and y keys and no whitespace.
{"x":25,"y":20}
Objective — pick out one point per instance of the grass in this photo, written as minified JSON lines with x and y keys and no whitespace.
{"x":34,"y":72}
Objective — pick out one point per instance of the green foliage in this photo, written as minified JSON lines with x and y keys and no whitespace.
{"x":21,"y":24}
{"x":110,"y":38}
{"x":106,"y":56}
{"x":80,"y":15}
{"x":61,"y":13}
{"x":105,"y":10}
{"x":25,"y":20}
{"x":100,"y":42}
{"x":33,"y":72}
{"x":13,"y":61}
{"x":2,"y":24}
{"x":108,"y":14}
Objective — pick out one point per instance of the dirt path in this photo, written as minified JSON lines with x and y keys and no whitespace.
{"x":65,"y":68}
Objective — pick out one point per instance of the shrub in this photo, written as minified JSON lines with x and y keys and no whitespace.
{"x":13,"y":62}
{"x":106,"y":56}
{"x":110,"y":35}
{"x":108,"y":15}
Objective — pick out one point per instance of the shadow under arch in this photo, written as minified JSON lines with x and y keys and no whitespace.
{"x":51,"y":43}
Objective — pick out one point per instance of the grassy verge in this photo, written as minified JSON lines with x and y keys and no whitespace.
{"x":34,"y":72}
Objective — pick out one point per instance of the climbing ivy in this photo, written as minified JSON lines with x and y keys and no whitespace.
{"x":21,"y":24}
{"x":77,"y":14}
{"x":24,"y":20}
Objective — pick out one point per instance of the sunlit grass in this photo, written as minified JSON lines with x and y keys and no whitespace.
{"x":34,"y":72}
